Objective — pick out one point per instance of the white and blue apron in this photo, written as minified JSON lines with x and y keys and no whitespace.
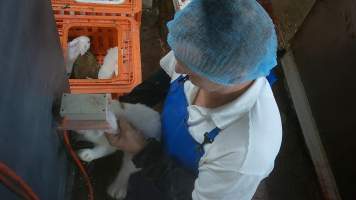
{"x":177,"y":141}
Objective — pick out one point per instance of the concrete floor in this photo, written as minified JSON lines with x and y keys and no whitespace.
{"x":293,"y":177}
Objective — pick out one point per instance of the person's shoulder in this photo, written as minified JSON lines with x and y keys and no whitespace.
{"x":265,"y":127}
{"x":265,"y":134}
{"x":253,"y":141}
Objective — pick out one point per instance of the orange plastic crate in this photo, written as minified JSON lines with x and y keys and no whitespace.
{"x":129,"y":8}
{"x":105,"y":30}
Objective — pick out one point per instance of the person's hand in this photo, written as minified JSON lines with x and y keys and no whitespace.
{"x":129,"y":139}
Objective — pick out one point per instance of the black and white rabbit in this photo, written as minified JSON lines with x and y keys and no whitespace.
{"x":140,"y":116}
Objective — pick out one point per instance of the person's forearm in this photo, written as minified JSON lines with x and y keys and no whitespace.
{"x":151,"y":91}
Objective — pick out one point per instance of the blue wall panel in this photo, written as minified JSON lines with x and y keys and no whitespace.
{"x":32,"y":77}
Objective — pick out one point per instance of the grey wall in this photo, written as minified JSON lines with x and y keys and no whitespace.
{"x":325,"y":52}
{"x":31,"y":79}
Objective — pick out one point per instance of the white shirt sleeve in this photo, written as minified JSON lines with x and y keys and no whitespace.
{"x":222,"y":180}
{"x":168,"y":64}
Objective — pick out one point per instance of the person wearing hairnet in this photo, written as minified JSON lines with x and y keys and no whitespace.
{"x":221,"y":128}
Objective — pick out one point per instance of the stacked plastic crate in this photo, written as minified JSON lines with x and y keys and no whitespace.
{"x":108,"y":24}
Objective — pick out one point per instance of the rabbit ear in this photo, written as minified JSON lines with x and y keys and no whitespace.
{"x":73,"y":43}
{"x":111,"y":119}
{"x":81,"y":131}
{"x":84,"y":46}
{"x":116,"y":69}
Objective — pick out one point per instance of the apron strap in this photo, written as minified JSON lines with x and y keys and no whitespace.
{"x":183,"y":78}
{"x":209,"y":138}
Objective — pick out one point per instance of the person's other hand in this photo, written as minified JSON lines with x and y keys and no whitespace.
{"x":129,"y":139}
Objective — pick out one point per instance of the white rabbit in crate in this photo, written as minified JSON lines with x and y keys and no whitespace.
{"x":76,"y":47}
{"x":141,"y":117}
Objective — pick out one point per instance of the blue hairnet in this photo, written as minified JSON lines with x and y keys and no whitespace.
{"x":227,"y":41}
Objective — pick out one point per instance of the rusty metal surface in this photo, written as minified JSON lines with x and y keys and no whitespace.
{"x":325,"y":53}
{"x":290,"y":15}
{"x":309,"y":128}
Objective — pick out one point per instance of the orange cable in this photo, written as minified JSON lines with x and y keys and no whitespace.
{"x":9,"y":178}
{"x":80,"y":165}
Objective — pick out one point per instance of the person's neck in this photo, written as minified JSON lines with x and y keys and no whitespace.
{"x":219,"y":98}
